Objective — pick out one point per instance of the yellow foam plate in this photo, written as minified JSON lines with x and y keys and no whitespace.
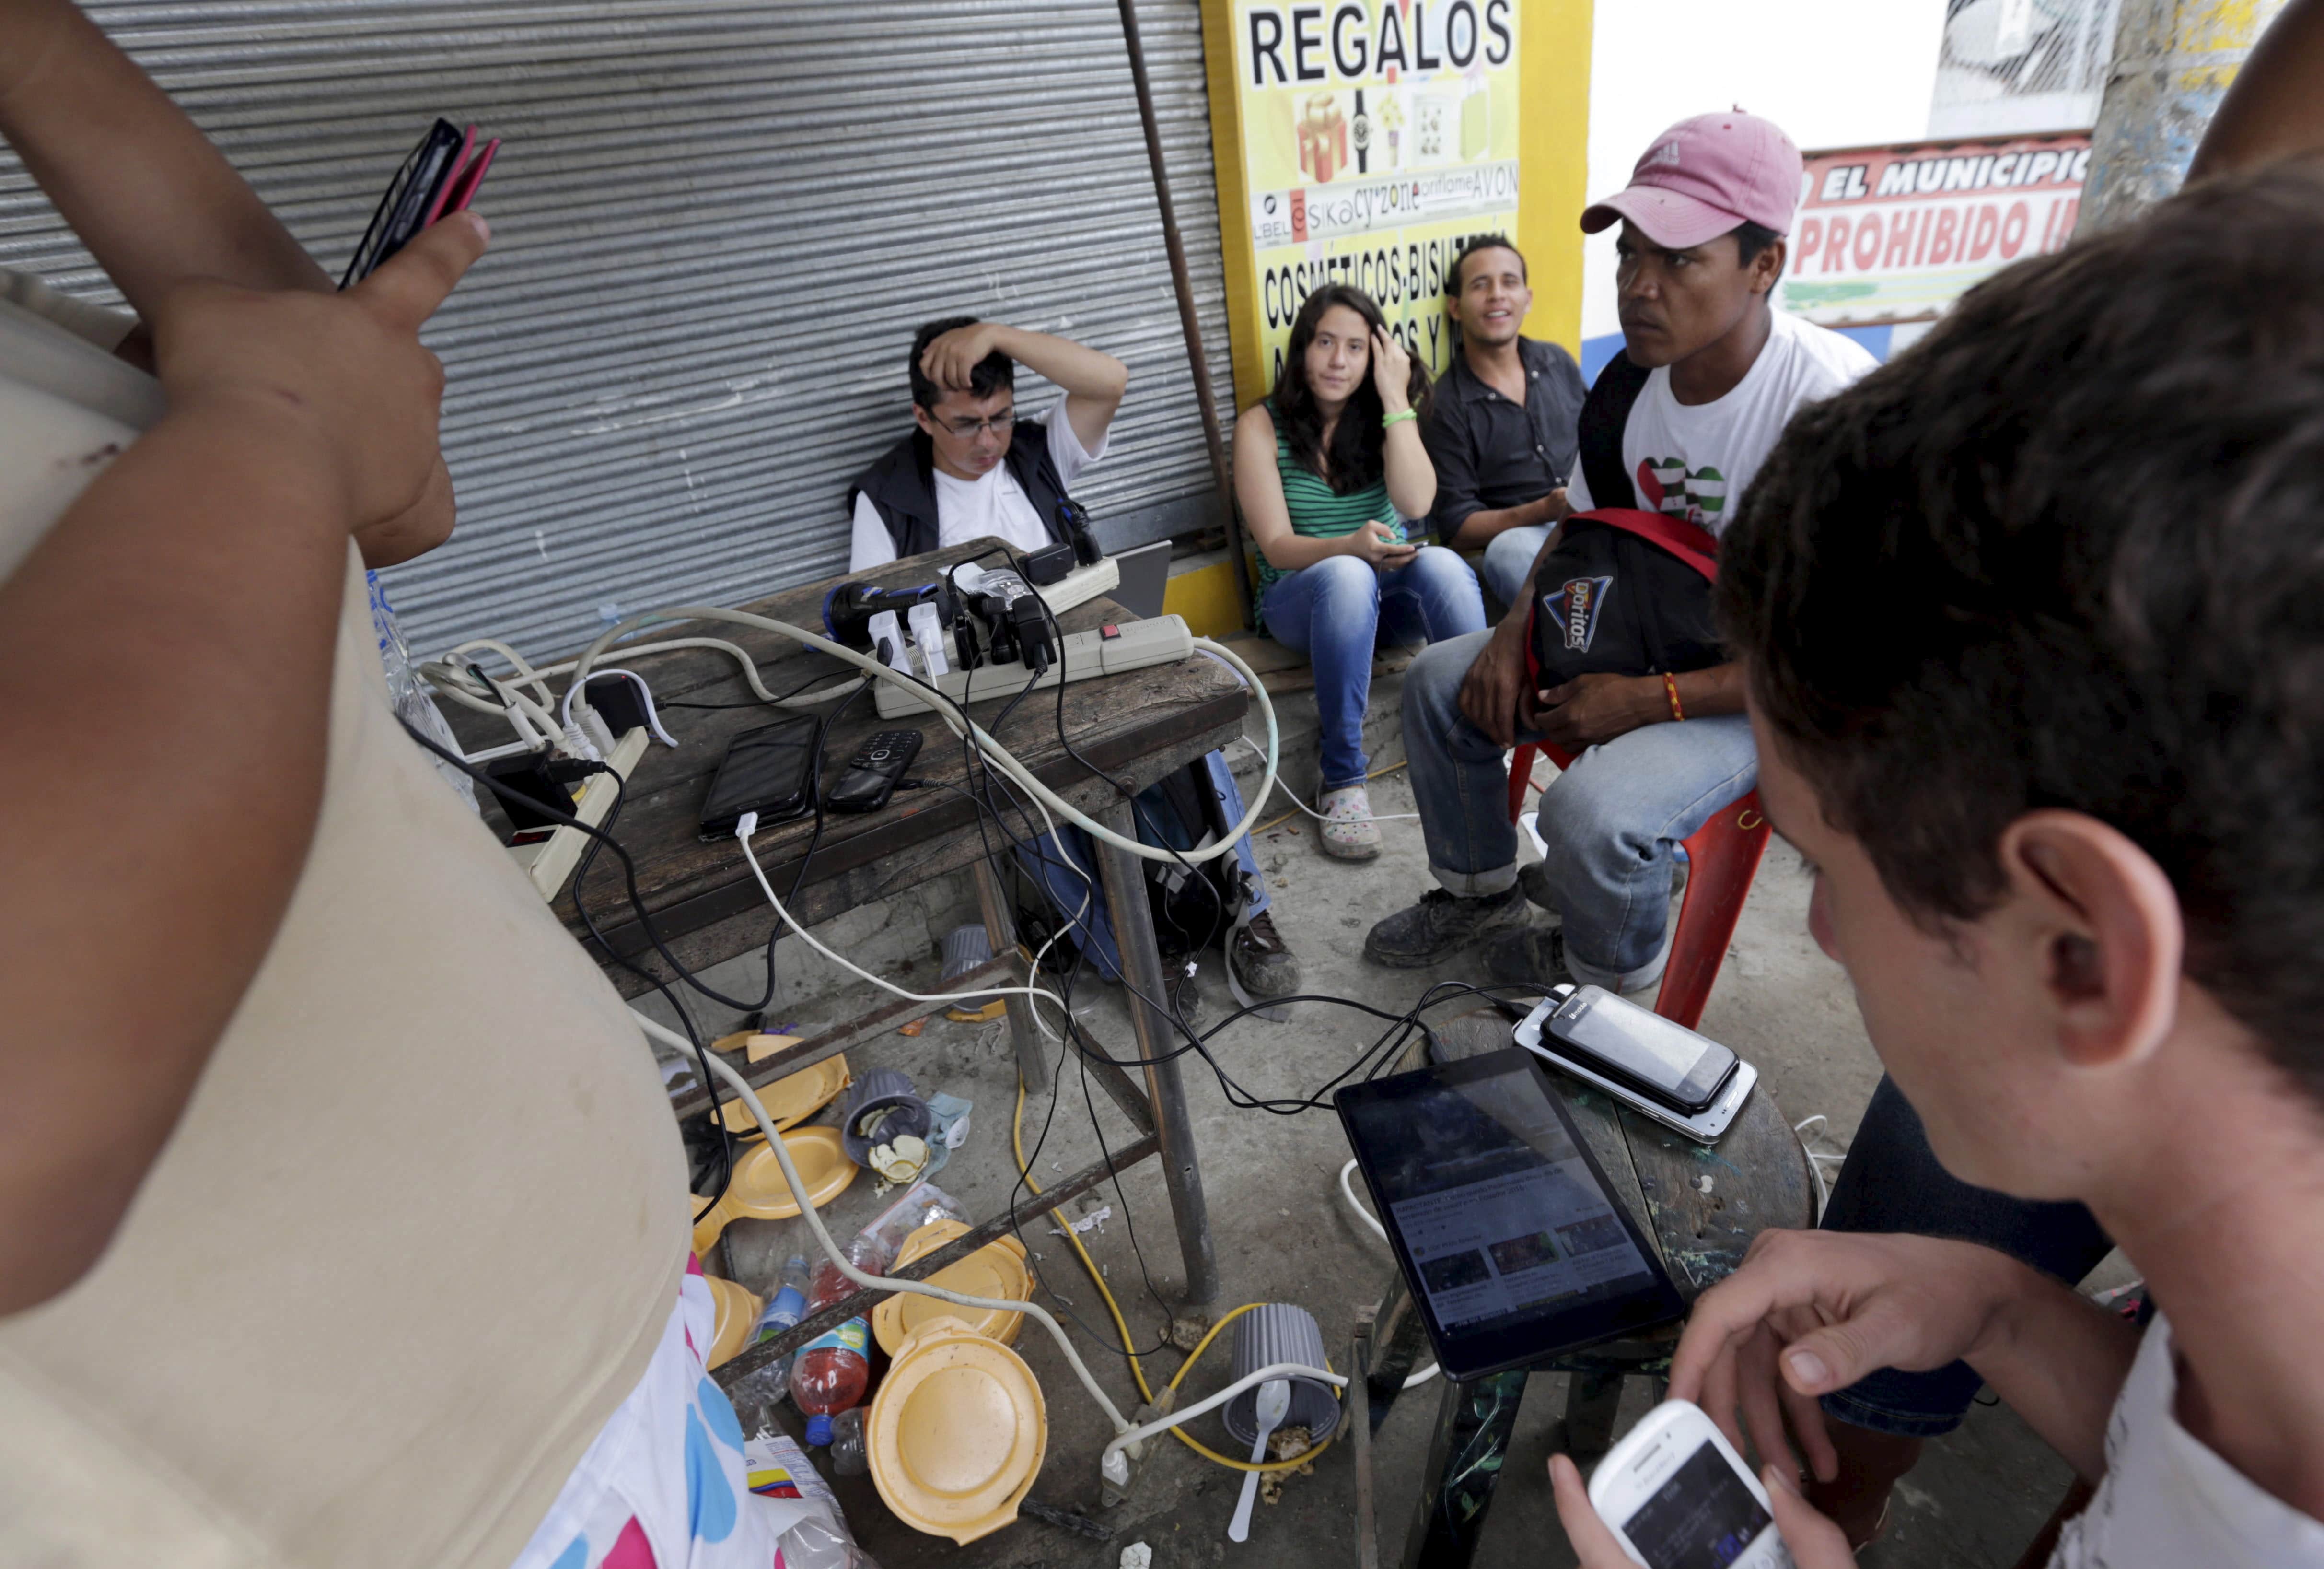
{"x":759,"y":1192}
{"x":738,"y":1315}
{"x":791,"y":1099}
{"x":995,"y":1269}
{"x":957,"y":1432}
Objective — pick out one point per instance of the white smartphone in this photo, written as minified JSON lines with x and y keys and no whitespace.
{"x":1678,"y":1497}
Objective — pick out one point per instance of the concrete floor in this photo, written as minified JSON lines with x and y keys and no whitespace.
{"x":1283,"y":1233}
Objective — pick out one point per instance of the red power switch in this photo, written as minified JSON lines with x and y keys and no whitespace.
{"x":1107,"y":633}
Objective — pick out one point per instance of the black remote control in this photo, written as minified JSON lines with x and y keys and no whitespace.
{"x":871,"y":776}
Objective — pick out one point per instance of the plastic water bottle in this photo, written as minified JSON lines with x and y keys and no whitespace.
{"x":847,"y":1455}
{"x":832,"y":1372}
{"x":787,"y":1305}
{"x":756,"y":1397}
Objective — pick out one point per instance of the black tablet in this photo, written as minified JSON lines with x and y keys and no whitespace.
{"x":1514,"y":1246}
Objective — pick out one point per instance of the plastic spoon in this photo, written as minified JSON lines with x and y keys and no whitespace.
{"x":1273,"y":1405}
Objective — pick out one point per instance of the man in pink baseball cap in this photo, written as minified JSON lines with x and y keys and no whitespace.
{"x":1679,"y":423}
{"x":1704,"y":178}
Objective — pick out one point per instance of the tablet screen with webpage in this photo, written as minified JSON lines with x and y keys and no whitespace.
{"x":1509,"y":1236}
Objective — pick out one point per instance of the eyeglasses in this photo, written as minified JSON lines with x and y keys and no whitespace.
{"x":968,"y":430}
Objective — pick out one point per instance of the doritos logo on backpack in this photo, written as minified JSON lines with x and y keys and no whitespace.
{"x":1576,"y":607}
{"x":1660,"y":621}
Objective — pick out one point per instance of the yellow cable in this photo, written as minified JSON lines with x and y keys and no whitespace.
{"x":1017,"y":1143}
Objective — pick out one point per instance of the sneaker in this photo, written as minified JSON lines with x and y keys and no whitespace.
{"x":1440,"y":925}
{"x":1262,"y":962}
{"x":1348,"y":832}
{"x":1532,"y":956}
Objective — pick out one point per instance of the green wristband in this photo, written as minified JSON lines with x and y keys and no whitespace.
{"x":1388,"y":420}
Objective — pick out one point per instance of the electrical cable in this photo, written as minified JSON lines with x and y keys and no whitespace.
{"x":1097,"y":1278}
{"x":1816,"y":1157}
{"x":1002,"y":772}
{"x":1126,"y":1435}
{"x":629,"y":869}
{"x":996,"y":754}
{"x":444,"y":673}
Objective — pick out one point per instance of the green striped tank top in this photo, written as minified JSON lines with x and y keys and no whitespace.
{"x":1320,"y":513}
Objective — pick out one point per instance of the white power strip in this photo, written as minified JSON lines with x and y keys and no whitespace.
{"x":1082,"y":585}
{"x":549,"y":861}
{"x":1108,"y":652}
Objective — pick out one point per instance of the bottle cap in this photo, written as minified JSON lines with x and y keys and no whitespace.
{"x":818,"y":1430}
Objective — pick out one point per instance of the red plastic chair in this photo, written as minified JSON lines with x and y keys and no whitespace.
{"x":1722,"y":857}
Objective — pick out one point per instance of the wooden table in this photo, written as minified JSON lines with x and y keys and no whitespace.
{"x":706,"y":907}
{"x":1701,"y":1205}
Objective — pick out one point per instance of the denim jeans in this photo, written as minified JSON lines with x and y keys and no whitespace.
{"x":1510,"y":557}
{"x":1611,"y":822}
{"x":1340,"y":610}
{"x":1892,"y":1183}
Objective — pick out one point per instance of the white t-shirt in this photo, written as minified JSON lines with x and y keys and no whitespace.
{"x":969,"y":509}
{"x":1694,"y":460}
{"x":2168,"y":1500}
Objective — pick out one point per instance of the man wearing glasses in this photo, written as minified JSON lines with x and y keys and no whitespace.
{"x":972,"y":468}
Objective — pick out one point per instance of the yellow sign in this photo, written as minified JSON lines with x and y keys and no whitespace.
{"x":1375,"y":135}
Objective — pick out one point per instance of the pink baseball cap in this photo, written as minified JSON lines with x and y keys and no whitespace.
{"x":1704,"y":176}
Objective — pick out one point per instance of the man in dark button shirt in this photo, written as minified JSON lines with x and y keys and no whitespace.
{"x":1501,"y":431}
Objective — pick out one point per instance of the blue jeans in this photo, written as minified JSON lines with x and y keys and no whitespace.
{"x":1612,"y":822}
{"x":1340,"y":611}
{"x":1892,"y":1183}
{"x":1510,"y":557}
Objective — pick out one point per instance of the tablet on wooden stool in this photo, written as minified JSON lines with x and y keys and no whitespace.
{"x":1508,"y":1235}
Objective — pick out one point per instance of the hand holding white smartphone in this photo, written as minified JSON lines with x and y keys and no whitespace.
{"x":1677,"y":1496}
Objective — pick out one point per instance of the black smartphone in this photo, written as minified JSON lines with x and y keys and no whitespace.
{"x":770,"y":771}
{"x":410,"y":196}
{"x":1635,"y":1047}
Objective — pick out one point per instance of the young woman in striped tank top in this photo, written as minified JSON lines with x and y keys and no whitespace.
{"x":1327,"y":470}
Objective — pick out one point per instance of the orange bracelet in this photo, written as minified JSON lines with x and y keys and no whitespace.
{"x":1670,"y":689}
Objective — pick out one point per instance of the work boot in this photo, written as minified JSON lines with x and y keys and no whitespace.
{"x":1529,"y":956}
{"x":1441,"y":926}
{"x":1263,"y":964}
{"x":1534,"y":878}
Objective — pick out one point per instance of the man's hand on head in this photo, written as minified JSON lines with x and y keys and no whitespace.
{"x":1590,"y":709}
{"x":950,"y":357}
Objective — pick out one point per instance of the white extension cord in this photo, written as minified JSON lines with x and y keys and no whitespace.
{"x":962,"y":727}
{"x":1111,"y":1462}
{"x":1379,"y":1231}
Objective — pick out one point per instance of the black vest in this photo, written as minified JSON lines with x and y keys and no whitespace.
{"x":903,"y":489}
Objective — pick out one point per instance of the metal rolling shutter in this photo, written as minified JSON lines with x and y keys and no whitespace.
{"x":717,"y":225}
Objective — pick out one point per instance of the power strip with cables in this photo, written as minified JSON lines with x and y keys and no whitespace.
{"x":1108,"y":651}
{"x":550,"y":860}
